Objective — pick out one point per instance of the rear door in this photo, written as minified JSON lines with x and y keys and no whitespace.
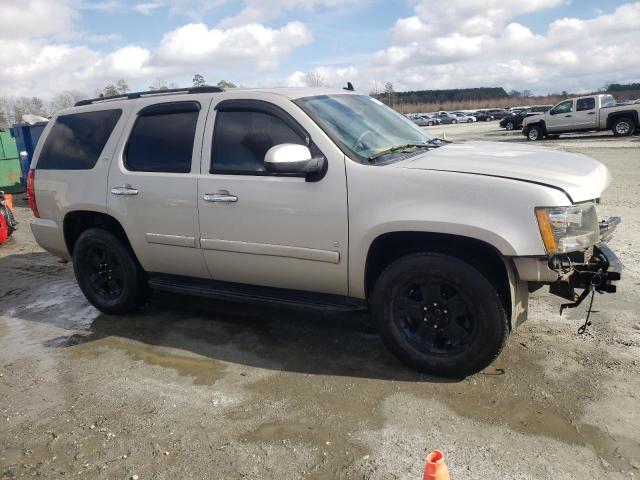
{"x":561,"y":117}
{"x":270,"y":229}
{"x":152,"y":187}
{"x":585,"y":115}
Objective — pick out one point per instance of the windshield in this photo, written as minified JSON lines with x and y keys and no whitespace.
{"x":362,"y":126}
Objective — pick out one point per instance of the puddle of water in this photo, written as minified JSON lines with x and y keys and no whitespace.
{"x":203,"y":371}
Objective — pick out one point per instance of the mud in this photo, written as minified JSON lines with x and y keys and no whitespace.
{"x":190,"y":388}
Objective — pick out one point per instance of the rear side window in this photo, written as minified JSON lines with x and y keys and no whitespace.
{"x":76,"y":141}
{"x":162,"y":138}
{"x":585,"y":104}
{"x":242,"y":138}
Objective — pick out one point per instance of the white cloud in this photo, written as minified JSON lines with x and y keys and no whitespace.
{"x":35,"y":18}
{"x":195,"y":43}
{"x":260,"y":11}
{"x":43,"y":67}
{"x":470,"y":43}
{"x":458,"y":43}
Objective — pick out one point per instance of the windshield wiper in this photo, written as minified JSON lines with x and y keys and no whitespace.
{"x":398,"y":148}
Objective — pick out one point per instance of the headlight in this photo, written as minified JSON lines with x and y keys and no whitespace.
{"x":568,"y":229}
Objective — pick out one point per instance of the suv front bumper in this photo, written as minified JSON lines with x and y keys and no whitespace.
{"x":599,"y":273}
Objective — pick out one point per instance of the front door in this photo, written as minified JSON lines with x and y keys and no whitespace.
{"x":268,"y":229}
{"x":153,"y":184}
{"x":560,"y":117}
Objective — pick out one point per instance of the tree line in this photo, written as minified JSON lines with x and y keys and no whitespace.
{"x":391,"y":97}
{"x":13,"y":108}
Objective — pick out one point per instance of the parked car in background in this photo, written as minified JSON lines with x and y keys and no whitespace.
{"x":498,"y":113}
{"x":447,"y":118}
{"x":583,"y":114}
{"x":422,"y":120}
{"x":184,"y":191}
{"x":464,"y":117}
{"x":483,"y":116}
{"x":430,"y":119}
{"x":514,"y":122}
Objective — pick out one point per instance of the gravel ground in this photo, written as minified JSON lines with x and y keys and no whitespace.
{"x":199,"y":389}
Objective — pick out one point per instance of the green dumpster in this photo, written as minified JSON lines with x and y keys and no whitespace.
{"x":10,"y":171}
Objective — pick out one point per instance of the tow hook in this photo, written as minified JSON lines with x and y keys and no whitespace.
{"x":596,"y":280}
{"x":597,"y":275}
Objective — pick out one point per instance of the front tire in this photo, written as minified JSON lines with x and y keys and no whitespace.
{"x":454,"y":121}
{"x":509,"y":126}
{"x":439,"y":315}
{"x":535,"y":133}
{"x":623,"y":127}
{"x":108,"y":273}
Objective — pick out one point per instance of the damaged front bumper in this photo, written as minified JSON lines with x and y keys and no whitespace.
{"x":593,"y":270}
{"x":598,"y":272}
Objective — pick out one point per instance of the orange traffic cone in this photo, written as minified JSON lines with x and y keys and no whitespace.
{"x":436,"y":469}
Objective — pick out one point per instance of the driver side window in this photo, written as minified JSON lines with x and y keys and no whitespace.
{"x":564,"y":107}
{"x":242,"y":138}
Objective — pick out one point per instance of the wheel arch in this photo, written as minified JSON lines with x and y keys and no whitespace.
{"x":539,"y":123}
{"x":486,"y":258}
{"x":632,"y":114}
{"x":77,"y":221}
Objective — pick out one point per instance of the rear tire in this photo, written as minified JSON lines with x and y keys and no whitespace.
{"x":439,"y":315}
{"x":454,"y":121}
{"x":509,"y":126}
{"x":623,"y":127}
{"x":108,"y":273}
{"x":535,"y":133}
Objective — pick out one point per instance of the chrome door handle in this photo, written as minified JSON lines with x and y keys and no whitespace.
{"x":124,"y":190}
{"x":219,"y":197}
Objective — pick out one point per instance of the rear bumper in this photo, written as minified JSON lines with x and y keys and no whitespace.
{"x":49,"y":236}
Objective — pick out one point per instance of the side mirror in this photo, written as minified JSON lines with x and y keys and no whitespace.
{"x":292,"y":158}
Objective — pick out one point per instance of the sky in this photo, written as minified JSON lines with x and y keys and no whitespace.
{"x":545,"y":46}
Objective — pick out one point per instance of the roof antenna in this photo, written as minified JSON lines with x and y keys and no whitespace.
{"x":349,"y":87}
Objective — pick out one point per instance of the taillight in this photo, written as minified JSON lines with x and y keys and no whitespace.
{"x":31,"y":192}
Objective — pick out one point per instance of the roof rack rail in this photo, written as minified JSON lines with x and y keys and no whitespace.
{"x":134,"y":95}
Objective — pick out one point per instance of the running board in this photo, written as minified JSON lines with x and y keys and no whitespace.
{"x":240,"y":292}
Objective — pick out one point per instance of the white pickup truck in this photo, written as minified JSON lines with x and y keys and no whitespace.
{"x":582,"y":114}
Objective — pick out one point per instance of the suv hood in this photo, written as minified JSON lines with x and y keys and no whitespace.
{"x":579,"y":176}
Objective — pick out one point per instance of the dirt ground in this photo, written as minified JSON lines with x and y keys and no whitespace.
{"x":198,"y":389}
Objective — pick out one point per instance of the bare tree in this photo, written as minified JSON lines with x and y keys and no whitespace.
{"x":23,"y":105}
{"x":199,"y":81}
{"x":159,"y":85}
{"x":315,"y":79}
{"x":122,"y":86}
{"x":225,"y":84}
{"x":65,"y":99}
{"x":111,"y":90}
{"x":389,"y":92}
{"x":4,"y":113}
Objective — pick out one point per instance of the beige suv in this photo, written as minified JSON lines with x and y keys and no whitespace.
{"x":318,"y":199}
